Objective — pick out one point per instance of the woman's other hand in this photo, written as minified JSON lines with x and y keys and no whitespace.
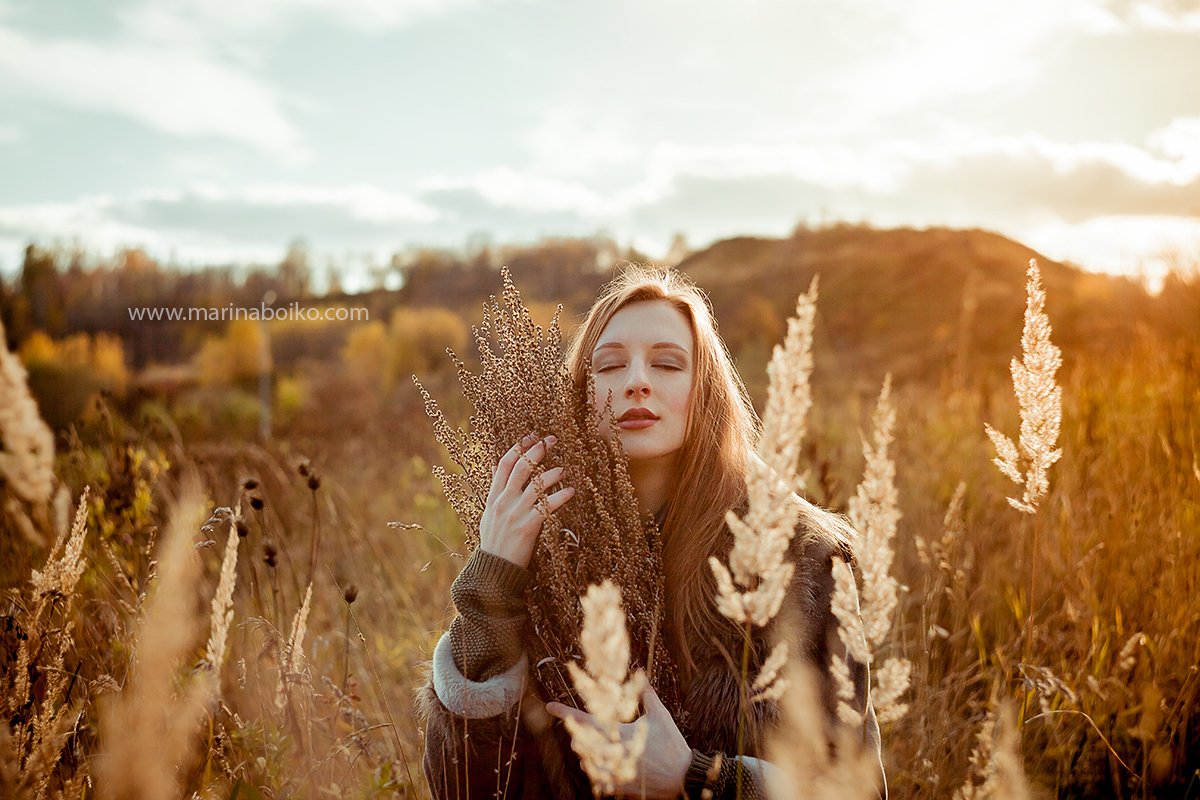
{"x":666,"y":759}
{"x":511,"y":519}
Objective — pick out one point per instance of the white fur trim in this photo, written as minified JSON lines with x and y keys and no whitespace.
{"x":475,"y":699}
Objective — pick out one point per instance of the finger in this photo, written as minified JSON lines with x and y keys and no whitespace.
{"x":505,"y":466}
{"x":547,"y":478}
{"x":561,"y":711}
{"x":555,"y":501}
{"x":525,"y":465}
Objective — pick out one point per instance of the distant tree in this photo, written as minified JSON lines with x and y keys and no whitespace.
{"x":678,"y":251}
{"x":44,"y":304}
{"x":333,"y":280}
{"x":294,"y":274}
{"x":366,"y":354}
{"x":64,"y":374}
{"x":236,"y":357}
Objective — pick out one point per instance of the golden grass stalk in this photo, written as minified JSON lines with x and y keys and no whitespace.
{"x":523,"y":387}
{"x":292,"y":659}
{"x":608,"y":691}
{"x":751,"y":589}
{"x":146,"y":731}
{"x":996,"y":761}
{"x":808,"y":766}
{"x":49,"y":624}
{"x":26,"y":442}
{"x":222,"y":605}
{"x":875,"y":514}
{"x":1039,"y":399}
{"x":789,"y":391}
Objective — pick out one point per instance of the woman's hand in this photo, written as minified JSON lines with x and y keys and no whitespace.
{"x":666,"y":759}
{"x":511,"y":519}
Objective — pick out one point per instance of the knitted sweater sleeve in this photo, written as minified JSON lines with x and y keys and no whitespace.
{"x":470,"y":703}
{"x":486,"y":636}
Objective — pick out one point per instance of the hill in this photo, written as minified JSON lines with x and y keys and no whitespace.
{"x":920,"y":303}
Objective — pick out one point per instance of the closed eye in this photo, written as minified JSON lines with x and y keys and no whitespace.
{"x":610,"y":367}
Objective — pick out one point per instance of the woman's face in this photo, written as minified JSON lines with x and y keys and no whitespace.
{"x":645,"y":358}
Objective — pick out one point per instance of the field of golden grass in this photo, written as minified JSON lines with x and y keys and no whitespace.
{"x":1085,"y":617}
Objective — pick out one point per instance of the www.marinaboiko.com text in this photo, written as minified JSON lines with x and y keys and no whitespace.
{"x":292,"y":311}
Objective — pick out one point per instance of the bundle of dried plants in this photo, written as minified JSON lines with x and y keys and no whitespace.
{"x":523,"y":387}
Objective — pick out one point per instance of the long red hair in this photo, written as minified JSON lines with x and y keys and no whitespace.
{"x":720,"y":438}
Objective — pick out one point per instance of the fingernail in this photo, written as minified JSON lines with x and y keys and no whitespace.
{"x":551,"y":439}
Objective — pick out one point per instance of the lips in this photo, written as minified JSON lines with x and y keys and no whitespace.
{"x":637,"y":413}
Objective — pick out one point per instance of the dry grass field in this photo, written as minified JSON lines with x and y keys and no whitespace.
{"x":224,"y":619}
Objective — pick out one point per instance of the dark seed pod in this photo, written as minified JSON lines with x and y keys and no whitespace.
{"x":304,"y":467}
{"x":269,"y":553}
{"x":314,"y":481}
{"x":242,"y":530}
{"x":250,"y":484}
{"x":350,"y":594}
{"x":256,"y":502}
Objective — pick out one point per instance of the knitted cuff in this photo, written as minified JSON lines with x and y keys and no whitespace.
{"x":701,"y":776}
{"x":507,"y":576}
{"x":490,"y":586}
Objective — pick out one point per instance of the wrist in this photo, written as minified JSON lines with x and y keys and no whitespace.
{"x":517,"y":558}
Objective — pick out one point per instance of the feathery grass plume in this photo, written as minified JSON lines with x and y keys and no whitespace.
{"x":222,"y":605}
{"x":800,"y":748}
{"x":292,"y":659}
{"x":1040,"y":402}
{"x":608,"y":691}
{"x":770,"y":685}
{"x":874,"y":513}
{"x":145,"y":732}
{"x":48,"y":624}
{"x":789,"y":393}
{"x":523,"y":387}
{"x":996,"y":761}
{"x":1127,"y":658}
{"x":752,"y":587}
{"x":26,"y":443}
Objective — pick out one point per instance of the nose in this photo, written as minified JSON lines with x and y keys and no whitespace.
{"x":638,"y":383}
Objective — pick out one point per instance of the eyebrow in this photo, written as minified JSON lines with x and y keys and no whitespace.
{"x":655,"y":346}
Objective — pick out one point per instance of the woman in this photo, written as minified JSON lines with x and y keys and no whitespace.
{"x":689,"y":430}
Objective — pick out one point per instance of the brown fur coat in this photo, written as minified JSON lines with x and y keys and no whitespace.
{"x":498,"y":741}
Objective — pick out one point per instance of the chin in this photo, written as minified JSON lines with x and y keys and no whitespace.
{"x":645,"y":451}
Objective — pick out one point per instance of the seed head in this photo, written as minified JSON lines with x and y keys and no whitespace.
{"x":256,"y":502}
{"x":269,"y":553}
{"x":350,"y":594}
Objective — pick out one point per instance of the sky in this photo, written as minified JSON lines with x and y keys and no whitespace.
{"x":220,"y":131}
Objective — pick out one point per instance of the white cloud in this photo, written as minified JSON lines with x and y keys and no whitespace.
{"x":217,"y":21}
{"x":205,"y":221}
{"x":175,"y":91}
{"x":931,"y":52}
{"x":504,"y":187}
{"x":1152,"y":15}
{"x":1180,"y":140}
{"x":1145,"y":246}
{"x":573,"y":140}
{"x":10,"y":134}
